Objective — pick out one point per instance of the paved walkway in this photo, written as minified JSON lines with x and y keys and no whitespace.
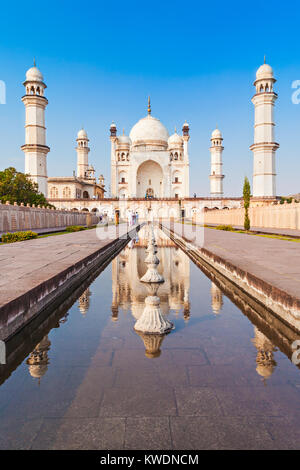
{"x":275,"y":231}
{"x":274,"y":261}
{"x":26,"y":264}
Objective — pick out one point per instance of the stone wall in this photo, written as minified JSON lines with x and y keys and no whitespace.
{"x":267,"y":216}
{"x":14,"y":218}
{"x":156,"y":208}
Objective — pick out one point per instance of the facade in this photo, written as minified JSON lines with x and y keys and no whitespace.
{"x":149,"y":209}
{"x":148,"y":163}
{"x":84,"y":184}
{"x":264,"y":147}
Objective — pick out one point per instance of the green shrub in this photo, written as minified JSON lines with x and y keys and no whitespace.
{"x":18,"y":236}
{"x":228,"y":228}
{"x":75,"y":228}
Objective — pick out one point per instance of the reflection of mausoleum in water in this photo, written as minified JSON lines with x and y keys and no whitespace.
{"x":128,"y":268}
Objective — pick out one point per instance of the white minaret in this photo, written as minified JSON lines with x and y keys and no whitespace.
{"x":186,"y":138}
{"x":264,"y":147}
{"x":35,"y":147}
{"x":82,"y":150}
{"x":113,"y":160}
{"x":216,"y":176}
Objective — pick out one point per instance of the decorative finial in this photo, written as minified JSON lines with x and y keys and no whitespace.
{"x":264,"y":59}
{"x":149,"y":105}
{"x":34,"y":62}
{"x":175,"y":130}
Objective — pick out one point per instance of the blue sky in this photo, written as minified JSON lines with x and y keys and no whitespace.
{"x":197,"y":61}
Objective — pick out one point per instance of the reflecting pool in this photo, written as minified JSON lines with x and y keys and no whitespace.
{"x":81,"y":377}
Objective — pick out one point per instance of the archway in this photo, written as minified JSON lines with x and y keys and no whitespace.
{"x":149,"y":193}
{"x":149,"y":179}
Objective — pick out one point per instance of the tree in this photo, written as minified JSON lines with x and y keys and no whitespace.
{"x":246,"y":195}
{"x":17,"y":187}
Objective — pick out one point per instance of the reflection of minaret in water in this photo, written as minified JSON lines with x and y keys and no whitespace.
{"x":114,"y":312}
{"x":38,"y":360}
{"x":186,"y":306}
{"x":265,"y":354}
{"x":216,"y":298}
{"x":115,"y":297}
{"x":84,"y":301}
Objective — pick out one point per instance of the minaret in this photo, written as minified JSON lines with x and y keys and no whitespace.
{"x":186,"y":138}
{"x":113,"y":161}
{"x":82,"y":150}
{"x":264,"y":147}
{"x":35,"y":147}
{"x":216,"y":176}
{"x":216,"y":298}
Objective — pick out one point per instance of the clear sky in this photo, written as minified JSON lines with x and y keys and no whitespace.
{"x":197,"y":60}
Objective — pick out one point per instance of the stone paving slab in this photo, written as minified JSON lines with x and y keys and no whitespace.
{"x":274,"y":231}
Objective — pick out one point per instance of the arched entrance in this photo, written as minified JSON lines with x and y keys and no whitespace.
{"x":149,"y":180}
{"x":149,"y":193}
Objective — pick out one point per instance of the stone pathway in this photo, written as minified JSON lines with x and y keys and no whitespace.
{"x":274,"y":261}
{"x":24,"y":265}
{"x":276,"y":231}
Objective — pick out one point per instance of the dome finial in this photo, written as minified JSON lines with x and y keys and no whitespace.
{"x":264,"y":59}
{"x":175,"y":130}
{"x":34,"y":62}
{"x":149,"y":105}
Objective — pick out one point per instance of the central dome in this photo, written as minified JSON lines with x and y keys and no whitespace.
{"x":149,"y":132}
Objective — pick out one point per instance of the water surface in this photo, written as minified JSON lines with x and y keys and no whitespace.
{"x":84,"y":379}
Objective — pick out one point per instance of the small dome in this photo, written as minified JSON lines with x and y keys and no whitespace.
{"x":265,"y":370}
{"x":37,"y":371}
{"x":185,"y":124}
{"x":216,"y":134}
{"x":34,"y":75}
{"x":175,"y":140}
{"x":264,"y":71}
{"x":149,"y":130}
{"x":82,"y":134}
{"x":113,"y":125}
{"x":124,"y":140}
